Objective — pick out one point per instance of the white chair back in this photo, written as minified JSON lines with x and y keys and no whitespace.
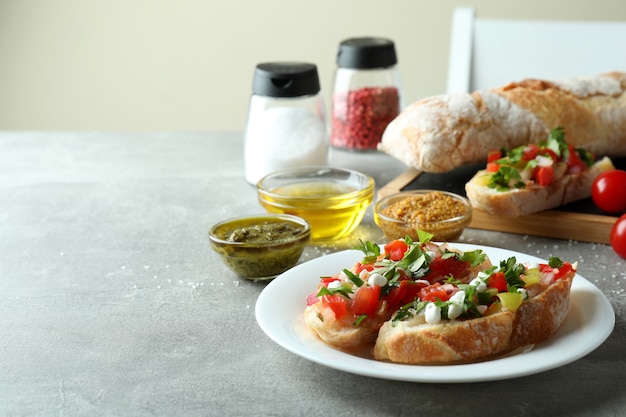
{"x":488,"y":53}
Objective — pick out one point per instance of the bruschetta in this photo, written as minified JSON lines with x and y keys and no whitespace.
{"x":507,"y":307}
{"x":347,"y":310}
{"x":535,"y":177}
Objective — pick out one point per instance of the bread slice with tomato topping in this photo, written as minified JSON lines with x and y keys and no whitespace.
{"x":535,"y":177}
{"x":501,"y":310}
{"x":347,"y":309}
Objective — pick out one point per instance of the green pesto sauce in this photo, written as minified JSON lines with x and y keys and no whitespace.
{"x":262,"y":262}
{"x":264,"y":232}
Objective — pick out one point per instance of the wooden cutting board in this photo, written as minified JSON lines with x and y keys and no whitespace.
{"x":580,"y":220}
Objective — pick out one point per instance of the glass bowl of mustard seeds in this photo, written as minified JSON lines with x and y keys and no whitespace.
{"x":441,"y":213}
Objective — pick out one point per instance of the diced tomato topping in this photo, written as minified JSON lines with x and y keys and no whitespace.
{"x":337,"y":303}
{"x":544,"y":175}
{"x":493,"y":167}
{"x":565,"y":269}
{"x":435,"y":292}
{"x":328,"y":280}
{"x":498,"y":280}
{"x":493,"y":156}
{"x":396,"y":249}
{"x":549,"y":152}
{"x":574,"y":164}
{"x":363,"y":267}
{"x":366,"y":300}
{"x":403,"y":294}
{"x":396,"y":294}
{"x":560,"y":272}
{"x":530,"y":152}
{"x":441,"y":268}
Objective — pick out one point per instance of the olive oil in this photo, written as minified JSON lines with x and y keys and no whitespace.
{"x":333,"y":210}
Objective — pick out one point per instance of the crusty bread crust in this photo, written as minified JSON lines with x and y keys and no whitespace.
{"x":416,"y":342}
{"x":440,"y":133}
{"x":341,"y":333}
{"x":532,"y":199}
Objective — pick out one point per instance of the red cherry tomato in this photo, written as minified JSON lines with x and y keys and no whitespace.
{"x":609,"y":191}
{"x":618,"y":236}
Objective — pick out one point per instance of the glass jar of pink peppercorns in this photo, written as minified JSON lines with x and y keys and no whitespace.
{"x":366,"y":95}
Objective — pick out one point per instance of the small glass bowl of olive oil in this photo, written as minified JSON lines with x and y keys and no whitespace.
{"x":260,"y":247}
{"x":332,"y":200}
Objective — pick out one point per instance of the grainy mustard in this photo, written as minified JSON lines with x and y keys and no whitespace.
{"x":428,"y":208}
{"x":434,"y":212}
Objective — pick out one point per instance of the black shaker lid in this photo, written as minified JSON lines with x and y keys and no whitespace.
{"x":367,"y":52}
{"x":285,"y":79}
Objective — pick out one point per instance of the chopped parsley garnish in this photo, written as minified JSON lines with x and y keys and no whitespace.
{"x":353,"y":277}
{"x":555,"y":262}
{"x":371,"y":251}
{"x":506,"y":175}
{"x":512,"y":272}
{"x":344,"y":290}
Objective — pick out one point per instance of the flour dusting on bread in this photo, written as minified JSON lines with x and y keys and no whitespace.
{"x":440,"y":133}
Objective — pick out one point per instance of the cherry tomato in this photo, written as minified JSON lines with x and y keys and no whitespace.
{"x":609,"y":191}
{"x":618,"y":236}
{"x":366,"y":300}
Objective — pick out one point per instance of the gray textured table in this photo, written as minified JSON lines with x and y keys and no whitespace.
{"x":113,"y":304}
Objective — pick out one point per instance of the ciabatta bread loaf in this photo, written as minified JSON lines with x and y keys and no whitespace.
{"x":440,"y":133}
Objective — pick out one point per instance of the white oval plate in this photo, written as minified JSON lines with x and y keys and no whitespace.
{"x":280,"y":306}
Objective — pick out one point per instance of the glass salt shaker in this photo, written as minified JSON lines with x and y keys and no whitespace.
{"x":286,"y":125}
{"x":366,"y":94}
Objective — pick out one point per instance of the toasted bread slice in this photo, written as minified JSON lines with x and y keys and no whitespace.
{"x":517,"y":202}
{"x":416,"y":342}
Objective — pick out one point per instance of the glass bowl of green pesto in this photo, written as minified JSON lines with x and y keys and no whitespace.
{"x":260,"y":247}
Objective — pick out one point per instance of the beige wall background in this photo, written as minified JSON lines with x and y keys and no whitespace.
{"x":132,"y":65}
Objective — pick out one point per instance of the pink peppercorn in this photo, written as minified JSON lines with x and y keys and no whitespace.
{"x":360,"y":116}
{"x":366,"y":93}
